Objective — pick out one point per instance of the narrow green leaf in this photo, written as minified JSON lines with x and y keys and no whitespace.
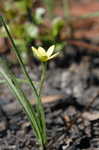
{"x":19,"y":57}
{"x":19,"y":81}
{"x":12,"y":83}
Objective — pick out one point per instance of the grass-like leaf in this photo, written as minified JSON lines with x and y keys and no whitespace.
{"x":19,"y":80}
{"x":22,"y":98}
{"x":39,"y":107}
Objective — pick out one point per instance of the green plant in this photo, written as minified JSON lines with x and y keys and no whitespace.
{"x":35,"y":116}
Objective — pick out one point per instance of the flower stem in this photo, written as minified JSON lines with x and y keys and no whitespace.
{"x":42,"y":114}
{"x":42,"y":78}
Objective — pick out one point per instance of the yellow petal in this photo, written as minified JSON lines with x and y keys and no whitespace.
{"x":50,"y":50}
{"x":42,"y":51}
{"x":55,"y":55}
{"x":35,"y":51}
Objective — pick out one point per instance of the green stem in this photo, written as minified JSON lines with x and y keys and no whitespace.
{"x":42,"y":77}
{"x":42,"y":114}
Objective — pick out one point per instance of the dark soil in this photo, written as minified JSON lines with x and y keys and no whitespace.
{"x":72,"y":120}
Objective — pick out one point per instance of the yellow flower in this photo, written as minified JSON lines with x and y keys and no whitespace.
{"x":43,"y":55}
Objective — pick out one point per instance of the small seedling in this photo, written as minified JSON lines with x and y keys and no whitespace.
{"x":35,"y":116}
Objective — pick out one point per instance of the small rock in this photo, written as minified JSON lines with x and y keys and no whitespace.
{"x":3,"y":126}
{"x":26,"y":127}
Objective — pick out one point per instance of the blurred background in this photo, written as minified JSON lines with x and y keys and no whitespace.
{"x":71,"y":92}
{"x":48,"y":22}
